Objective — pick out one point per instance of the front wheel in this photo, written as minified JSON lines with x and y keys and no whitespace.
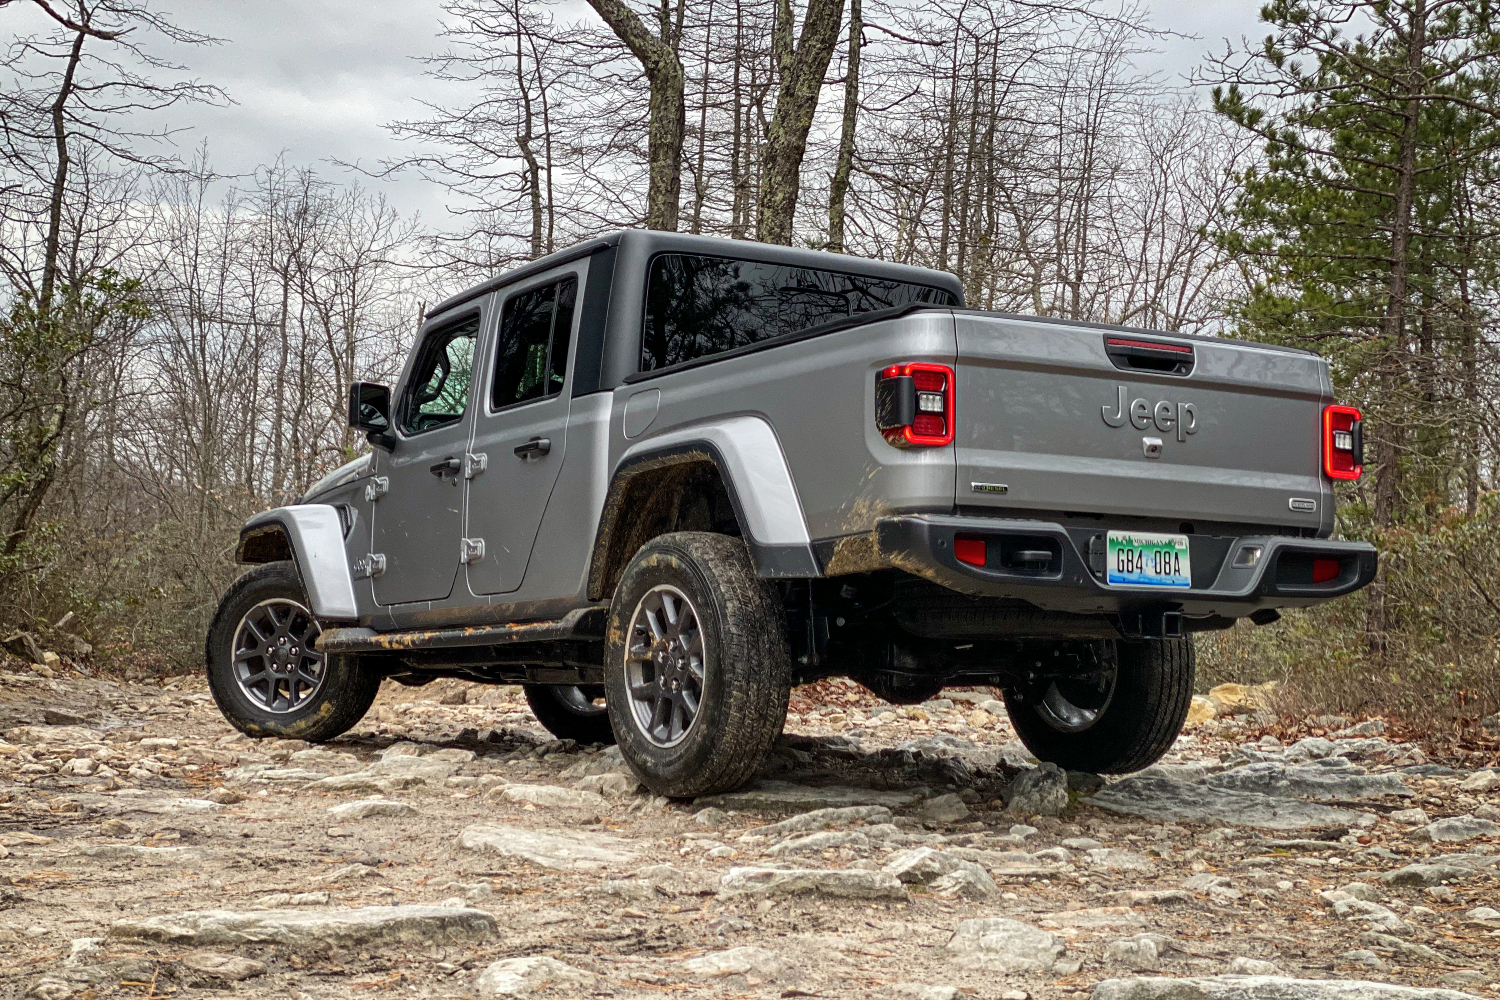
{"x":264,"y":672}
{"x":697,"y":670}
{"x":1120,"y":717}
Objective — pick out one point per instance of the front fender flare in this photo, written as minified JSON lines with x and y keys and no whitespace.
{"x":315,"y":536}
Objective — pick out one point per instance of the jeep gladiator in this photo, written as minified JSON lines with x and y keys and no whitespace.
{"x":660,"y":479}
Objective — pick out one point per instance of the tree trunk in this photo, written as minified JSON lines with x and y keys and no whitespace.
{"x":802,"y":72}
{"x":839,"y":188}
{"x":1387,"y":469}
{"x":736,"y":172}
{"x":524,"y":140}
{"x":658,"y":58}
{"x":700,"y":183}
{"x":949,"y":138}
{"x":60,"y":176}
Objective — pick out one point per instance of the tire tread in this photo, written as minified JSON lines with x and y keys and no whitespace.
{"x":1151,"y":701}
{"x":753,"y":663}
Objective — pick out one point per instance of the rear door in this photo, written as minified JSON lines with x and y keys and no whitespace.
{"x":521,"y":430}
{"x":1069,"y":418}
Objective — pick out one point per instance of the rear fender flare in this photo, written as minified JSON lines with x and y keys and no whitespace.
{"x":313,"y":537}
{"x":756,"y":476}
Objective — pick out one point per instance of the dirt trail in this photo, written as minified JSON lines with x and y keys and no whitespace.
{"x":448,"y":847}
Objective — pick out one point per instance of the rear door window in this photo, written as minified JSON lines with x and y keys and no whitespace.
{"x":697,"y":306}
{"x":531,"y":358}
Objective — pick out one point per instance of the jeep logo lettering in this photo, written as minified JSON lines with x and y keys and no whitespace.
{"x":1169,"y":418}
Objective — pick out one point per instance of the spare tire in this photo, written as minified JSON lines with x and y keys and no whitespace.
{"x":1119,"y":719}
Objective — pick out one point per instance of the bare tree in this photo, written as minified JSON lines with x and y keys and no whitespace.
{"x":657,"y":54}
{"x":69,"y":116}
{"x":838,"y":190}
{"x":802,"y":67}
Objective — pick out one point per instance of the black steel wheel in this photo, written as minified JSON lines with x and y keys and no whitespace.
{"x":1119,"y":717}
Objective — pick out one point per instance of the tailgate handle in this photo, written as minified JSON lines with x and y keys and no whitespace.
{"x":1138,"y":355}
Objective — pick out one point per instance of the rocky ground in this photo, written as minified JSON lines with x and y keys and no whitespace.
{"x":448,"y":847}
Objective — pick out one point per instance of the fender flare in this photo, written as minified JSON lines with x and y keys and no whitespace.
{"x":750,"y":462}
{"x":314,"y":536}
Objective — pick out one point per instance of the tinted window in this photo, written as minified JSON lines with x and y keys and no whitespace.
{"x":439,"y":385}
{"x":531,"y":358}
{"x":697,"y":306}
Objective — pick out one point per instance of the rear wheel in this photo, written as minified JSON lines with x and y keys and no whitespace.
{"x":571,"y":712}
{"x":263,"y":669}
{"x":1118,"y":718}
{"x":697,"y":669}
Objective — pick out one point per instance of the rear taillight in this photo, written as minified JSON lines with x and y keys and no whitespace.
{"x":1343,"y":442}
{"x":914,"y":404}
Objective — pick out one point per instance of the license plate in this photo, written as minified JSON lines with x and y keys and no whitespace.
{"x":1148,"y":559}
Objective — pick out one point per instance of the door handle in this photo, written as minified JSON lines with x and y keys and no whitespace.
{"x":446,"y":466}
{"x":536,"y":446}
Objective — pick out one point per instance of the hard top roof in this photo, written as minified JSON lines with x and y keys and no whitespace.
{"x":653,"y":241}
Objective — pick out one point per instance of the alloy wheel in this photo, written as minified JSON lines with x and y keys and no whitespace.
{"x":665,"y":665}
{"x":275,"y":663}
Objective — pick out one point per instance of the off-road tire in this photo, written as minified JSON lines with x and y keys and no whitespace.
{"x":550,"y":706}
{"x":747,"y":664}
{"x":1153,"y":690}
{"x":346,"y":693}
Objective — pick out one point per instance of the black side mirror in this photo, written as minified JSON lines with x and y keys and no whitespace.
{"x":370,"y":411}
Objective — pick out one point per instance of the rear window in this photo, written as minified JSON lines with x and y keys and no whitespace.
{"x":699,"y":306}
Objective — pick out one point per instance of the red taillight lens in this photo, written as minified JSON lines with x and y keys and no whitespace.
{"x":914,"y":404}
{"x":969,"y":550}
{"x":1343,"y":442}
{"x":1325,"y":570}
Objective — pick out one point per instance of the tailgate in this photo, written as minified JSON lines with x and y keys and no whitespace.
{"x":1049,"y":417}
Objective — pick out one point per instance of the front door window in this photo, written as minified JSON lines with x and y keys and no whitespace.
{"x":439,"y":384}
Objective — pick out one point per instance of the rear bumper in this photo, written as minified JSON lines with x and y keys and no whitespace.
{"x":1073,"y":582}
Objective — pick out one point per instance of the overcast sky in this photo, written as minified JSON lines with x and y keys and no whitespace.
{"x":319,"y":79}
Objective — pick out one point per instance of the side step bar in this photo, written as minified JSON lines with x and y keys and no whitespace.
{"x":580,"y":623}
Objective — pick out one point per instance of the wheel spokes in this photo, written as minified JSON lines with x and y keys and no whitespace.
{"x":274,"y":662}
{"x":653,"y":622}
{"x":665,"y":670}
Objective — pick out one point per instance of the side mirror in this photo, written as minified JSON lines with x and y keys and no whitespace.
{"x":370,"y":411}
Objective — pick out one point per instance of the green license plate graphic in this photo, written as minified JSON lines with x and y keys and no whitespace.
{"x":1148,"y":559}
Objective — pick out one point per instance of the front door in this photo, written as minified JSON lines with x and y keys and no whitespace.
{"x":418,"y":521}
{"x":522,"y":428}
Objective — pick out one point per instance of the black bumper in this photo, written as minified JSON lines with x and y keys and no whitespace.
{"x":1073,"y":580}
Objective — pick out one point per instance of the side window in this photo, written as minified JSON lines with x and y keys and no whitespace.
{"x":697,"y":306}
{"x":438,"y":389}
{"x":531,"y":358}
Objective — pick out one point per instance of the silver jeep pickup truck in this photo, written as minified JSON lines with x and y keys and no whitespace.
{"x":659,"y":479}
